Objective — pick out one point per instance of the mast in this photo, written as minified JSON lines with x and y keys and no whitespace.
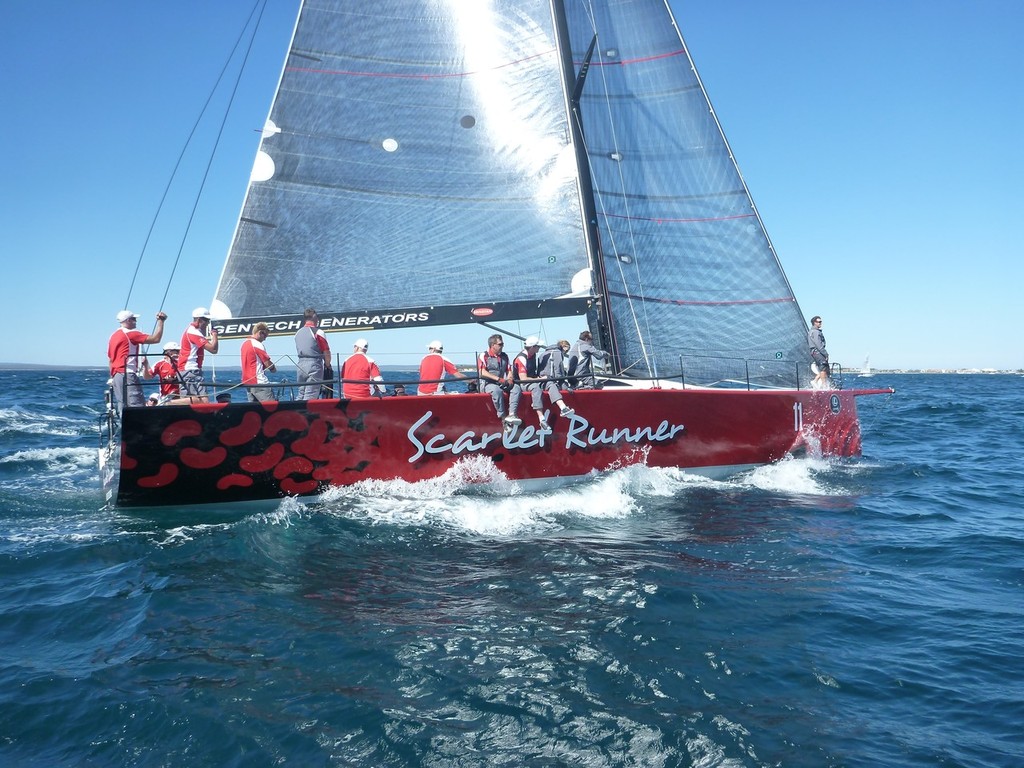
{"x":573,"y":87}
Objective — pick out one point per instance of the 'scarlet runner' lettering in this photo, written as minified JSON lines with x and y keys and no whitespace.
{"x":579,"y":435}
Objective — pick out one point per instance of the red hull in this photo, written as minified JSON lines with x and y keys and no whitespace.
{"x":220,"y":453}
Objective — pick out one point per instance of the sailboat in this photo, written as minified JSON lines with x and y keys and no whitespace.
{"x":865,"y":371}
{"x":440,"y":162}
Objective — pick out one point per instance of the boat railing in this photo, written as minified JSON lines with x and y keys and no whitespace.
{"x":225,"y":391}
{"x":748,"y":373}
{"x":719,"y":372}
{"x":703,"y":371}
{"x":108,"y":421}
{"x":222,"y":391}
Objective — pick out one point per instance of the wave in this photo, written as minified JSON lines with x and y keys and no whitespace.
{"x":54,"y":459}
{"x":28,"y":475}
{"x":18,"y":421}
{"x":32,"y":533}
{"x":476,"y":497}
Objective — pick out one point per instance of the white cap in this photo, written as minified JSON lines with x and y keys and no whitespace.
{"x":125,"y":314}
{"x":201,"y":312}
{"x":172,"y":346}
{"x":435,"y":345}
{"x":531,"y":341}
{"x":361,"y":343}
{"x":154,"y":396}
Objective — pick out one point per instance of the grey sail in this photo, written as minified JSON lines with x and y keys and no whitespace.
{"x":420,"y":155}
{"x":417,"y":154}
{"x":689,"y":269}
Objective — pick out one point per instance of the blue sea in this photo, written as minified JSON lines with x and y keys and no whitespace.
{"x":813,"y":613}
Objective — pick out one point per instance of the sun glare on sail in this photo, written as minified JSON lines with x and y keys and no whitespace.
{"x":512,"y":124}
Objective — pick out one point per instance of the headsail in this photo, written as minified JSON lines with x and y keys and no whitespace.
{"x":690,"y":270}
{"x":417,"y":155}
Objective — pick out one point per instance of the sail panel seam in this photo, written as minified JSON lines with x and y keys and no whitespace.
{"x":720,"y":303}
{"x":418,"y":75}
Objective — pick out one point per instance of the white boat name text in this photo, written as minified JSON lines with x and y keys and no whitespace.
{"x":579,"y":435}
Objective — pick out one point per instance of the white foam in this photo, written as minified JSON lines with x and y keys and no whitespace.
{"x":287,"y":511}
{"x":54,"y":458}
{"x":186,"y":533}
{"x":791,"y":476}
{"x":476,"y":474}
{"x":33,"y":532}
{"x":477,"y":497}
{"x":20,"y":421}
{"x":41,"y":471}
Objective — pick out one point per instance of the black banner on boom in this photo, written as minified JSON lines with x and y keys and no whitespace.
{"x":414,"y":317}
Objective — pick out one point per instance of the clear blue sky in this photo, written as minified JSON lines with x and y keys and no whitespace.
{"x":881,"y":141}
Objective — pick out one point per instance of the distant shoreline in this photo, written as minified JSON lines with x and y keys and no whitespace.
{"x":42,"y":367}
{"x":852,"y":373}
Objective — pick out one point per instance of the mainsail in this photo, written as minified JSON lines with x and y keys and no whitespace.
{"x":417,"y":154}
{"x":421,"y":154}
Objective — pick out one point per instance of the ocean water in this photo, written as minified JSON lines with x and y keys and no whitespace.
{"x":813,"y":613}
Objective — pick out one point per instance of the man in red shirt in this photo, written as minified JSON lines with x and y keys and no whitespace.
{"x":433,"y":368}
{"x":255,"y":364}
{"x":166,"y":370}
{"x":527,"y":372}
{"x":194,"y":344}
{"x":496,"y":379}
{"x":364,"y":370}
{"x":124,"y":357}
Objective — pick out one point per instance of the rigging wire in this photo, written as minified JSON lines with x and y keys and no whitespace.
{"x":209,"y":164}
{"x":184,"y":149}
{"x":213,"y":152}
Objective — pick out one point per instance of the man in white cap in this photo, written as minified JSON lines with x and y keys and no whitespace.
{"x":532,"y":380}
{"x":194,"y":345}
{"x":166,"y":370}
{"x":123,"y":354}
{"x":360,"y":373}
{"x":433,"y":368}
{"x":255,"y":364}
